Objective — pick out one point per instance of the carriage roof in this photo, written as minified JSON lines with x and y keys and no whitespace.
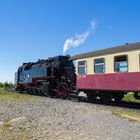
{"x":118,"y":49}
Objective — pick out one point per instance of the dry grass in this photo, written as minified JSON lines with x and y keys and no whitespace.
{"x":128,"y":116}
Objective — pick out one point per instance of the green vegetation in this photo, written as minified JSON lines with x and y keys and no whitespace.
{"x":12,"y":96}
{"x":6,"y":85}
{"x":130,"y":98}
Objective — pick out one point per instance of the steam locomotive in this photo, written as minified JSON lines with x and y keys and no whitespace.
{"x":52,"y":77}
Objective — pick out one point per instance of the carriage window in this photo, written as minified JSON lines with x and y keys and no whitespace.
{"x":121,"y":64}
{"x":99,"y":65}
{"x":82,"y":67}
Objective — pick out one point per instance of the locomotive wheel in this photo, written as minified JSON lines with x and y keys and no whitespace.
{"x":91,"y":96}
{"x":37,"y":92}
{"x":28,"y":91}
{"x":51,"y":90}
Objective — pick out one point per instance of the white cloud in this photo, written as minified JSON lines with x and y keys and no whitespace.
{"x":79,"y":39}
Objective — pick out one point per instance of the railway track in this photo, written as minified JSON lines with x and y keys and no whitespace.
{"x":83,"y":99}
{"x":124,"y":104}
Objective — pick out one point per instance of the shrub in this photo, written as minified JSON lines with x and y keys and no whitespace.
{"x":6,"y":85}
{"x":1,"y":85}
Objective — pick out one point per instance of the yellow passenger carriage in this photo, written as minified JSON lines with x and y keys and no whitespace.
{"x":109,"y":73}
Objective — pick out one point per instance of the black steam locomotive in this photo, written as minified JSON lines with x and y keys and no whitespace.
{"x":52,"y":77}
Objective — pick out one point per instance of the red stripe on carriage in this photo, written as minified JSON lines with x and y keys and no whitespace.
{"x":126,"y":81}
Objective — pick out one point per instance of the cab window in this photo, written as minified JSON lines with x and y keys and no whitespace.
{"x":121,"y":64}
{"x":99,"y":65}
{"x":82,"y":67}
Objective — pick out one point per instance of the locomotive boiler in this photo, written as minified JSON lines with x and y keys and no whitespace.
{"x":52,"y":77}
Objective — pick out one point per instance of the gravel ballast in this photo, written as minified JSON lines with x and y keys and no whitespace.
{"x":40,"y":118}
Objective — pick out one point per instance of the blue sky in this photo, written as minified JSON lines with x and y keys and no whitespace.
{"x":37,"y":29}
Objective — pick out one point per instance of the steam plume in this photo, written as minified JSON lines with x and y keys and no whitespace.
{"x":79,"y":39}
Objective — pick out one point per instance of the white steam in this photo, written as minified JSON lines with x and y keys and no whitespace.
{"x":79,"y":39}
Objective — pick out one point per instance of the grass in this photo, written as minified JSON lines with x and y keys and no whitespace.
{"x":131,"y":116}
{"x":130,"y":98}
{"x":13,"y":96}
